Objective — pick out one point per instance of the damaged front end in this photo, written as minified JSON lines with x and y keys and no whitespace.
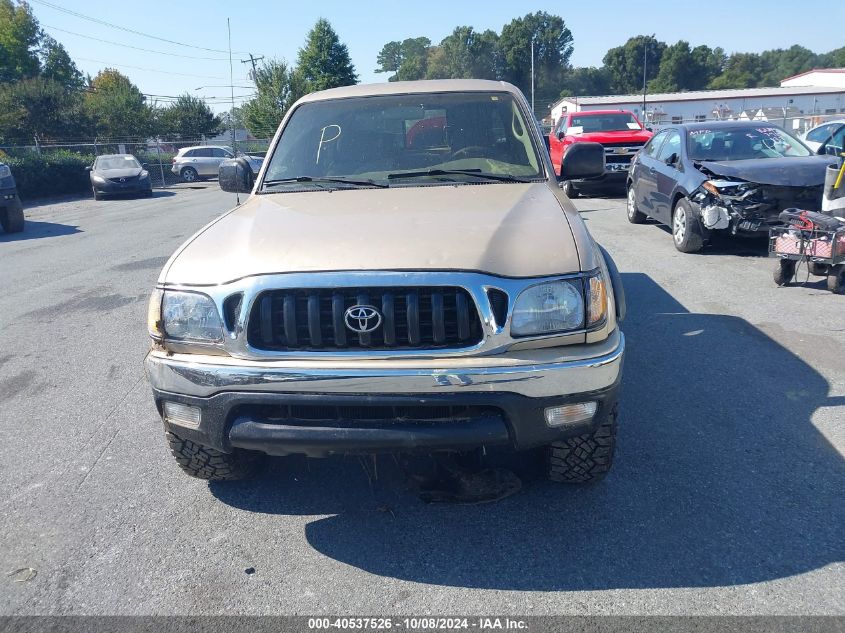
{"x":739,"y":206}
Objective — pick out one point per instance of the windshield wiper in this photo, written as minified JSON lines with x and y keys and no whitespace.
{"x":318,"y":179}
{"x":456,"y":172}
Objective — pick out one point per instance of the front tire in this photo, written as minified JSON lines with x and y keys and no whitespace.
{"x":203,"y":462}
{"x":686,"y":229}
{"x":12,"y":219}
{"x":584,"y":458}
{"x":635,"y":216}
{"x":836,"y":279}
{"x":97,"y":196}
{"x":569,"y":189}
{"x":189,"y":174}
{"x":784,"y":272}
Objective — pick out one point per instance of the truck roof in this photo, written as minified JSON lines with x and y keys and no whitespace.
{"x":413,"y":87}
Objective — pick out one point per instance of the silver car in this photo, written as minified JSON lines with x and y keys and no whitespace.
{"x":200,"y":161}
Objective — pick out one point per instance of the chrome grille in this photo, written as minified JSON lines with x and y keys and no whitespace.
{"x":411,"y":318}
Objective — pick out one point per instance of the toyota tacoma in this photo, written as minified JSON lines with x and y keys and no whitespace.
{"x":405,"y":275}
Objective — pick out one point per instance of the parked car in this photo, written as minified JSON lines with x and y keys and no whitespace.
{"x":734,"y":177}
{"x":827,"y":135}
{"x":201,"y":161}
{"x":620,"y":133}
{"x":119,"y":174}
{"x":375,"y":295}
{"x":11,"y":209}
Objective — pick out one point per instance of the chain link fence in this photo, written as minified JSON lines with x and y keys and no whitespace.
{"x":65,"y":160}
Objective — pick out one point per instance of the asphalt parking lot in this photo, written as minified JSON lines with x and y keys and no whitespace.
{"x":726,"y":496}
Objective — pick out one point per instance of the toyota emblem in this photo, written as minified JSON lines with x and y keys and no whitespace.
{"x":123,"y":180}
{"x":362,"y":319}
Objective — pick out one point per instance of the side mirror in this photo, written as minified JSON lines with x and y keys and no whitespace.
{"x":582,"y":160}
{"x":89,"y":167}
{"x":560,"y":134}
{"x":671,"y":159}
{"x":235,"y":176}
{"x":831,"y":150}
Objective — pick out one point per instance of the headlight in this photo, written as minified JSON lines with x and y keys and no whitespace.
{"x":144,"y":174}
{"x":96,"y":178}
{"x":728,"y":188}
{"x":547,"y":308}
{"x":188,"y":316}
{"x":5,"y":172}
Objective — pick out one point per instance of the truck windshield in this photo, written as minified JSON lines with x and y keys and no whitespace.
{"x":373,"y":138}
{"x":605,"y":122}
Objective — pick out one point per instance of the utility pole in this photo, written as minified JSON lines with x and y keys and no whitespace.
{"x":231,"y":87}
{"x":252,"y":61}
{"x":645,"y":66}
{"x":533,"y":111}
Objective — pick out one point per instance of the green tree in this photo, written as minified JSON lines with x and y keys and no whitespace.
{"x":742,"y":70}
{"x":624,"y":63}
{"x":57,"y":65}
{"x":407,"y":60}
{"x":39,"y":107}
{"x":324,"y":61}
{"x":187,"y":118}
{"x":778,"y":64}
{"x":833,"y":59}
{"x":19,"y":40}
{"x":586,"y":81}
{"x":117,"y":106}
{"x":552,"y":50}
{"x":466,"y":54}
{"x":277,"y":88}
{"x":684,"y":68}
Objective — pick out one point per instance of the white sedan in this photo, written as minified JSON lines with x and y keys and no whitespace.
{"x":829,"y":133}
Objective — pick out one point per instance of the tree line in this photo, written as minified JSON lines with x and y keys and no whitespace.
{"x":467,"y":53}
{"x":44,"y":97}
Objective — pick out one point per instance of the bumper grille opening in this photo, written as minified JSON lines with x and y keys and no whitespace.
{"x":362,"y":416}
{"x":408,"y":318}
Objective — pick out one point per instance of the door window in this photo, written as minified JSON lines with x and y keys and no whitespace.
{"x":217,"y":152}
{"x":671,"y":146}
{"x":203,"y":152}
{"x":653,"y":146}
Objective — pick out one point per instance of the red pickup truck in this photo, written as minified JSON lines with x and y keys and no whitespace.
{"x":619,"y":131}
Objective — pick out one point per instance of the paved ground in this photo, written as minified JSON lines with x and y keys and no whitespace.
{"x":727,"y":495}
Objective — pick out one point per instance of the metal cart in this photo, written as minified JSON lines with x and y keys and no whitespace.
{"x":822,"y":251}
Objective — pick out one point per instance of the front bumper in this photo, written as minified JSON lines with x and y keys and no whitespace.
{"x":114,"y":188}
{"x":512,"y":391}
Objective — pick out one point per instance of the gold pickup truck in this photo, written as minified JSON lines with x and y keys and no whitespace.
{"x":405,"y":275}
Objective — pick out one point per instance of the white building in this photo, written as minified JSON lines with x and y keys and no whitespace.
{"x":828,"y":77}
{"x":793,"y":107}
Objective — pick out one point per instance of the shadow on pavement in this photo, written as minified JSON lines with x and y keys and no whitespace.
{"x":34,"y":230}
{"x":720,"y":479}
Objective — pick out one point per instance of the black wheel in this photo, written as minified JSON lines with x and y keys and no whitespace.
{"x":569,"y":189}
{"x":635,"y":216}
{"x":686,"y":228}
{"x":207,"y":463}
{"x":836,"y":279}
{"x":784,"y":272}
{"x":817,"y":269}
{"x":584,"y":458}
{"x":97,"y":196}
{"x":189,"y":174}
{"x":12,"y":219}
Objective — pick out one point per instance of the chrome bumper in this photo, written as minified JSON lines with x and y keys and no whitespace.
{"x":536,"y":373}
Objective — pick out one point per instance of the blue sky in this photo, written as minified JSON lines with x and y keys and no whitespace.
{"x":277,"y":29}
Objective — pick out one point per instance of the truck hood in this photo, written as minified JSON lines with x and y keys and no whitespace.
{"x":619,"y":136}
{"x":513,"y":230}
{"x":789,"y":171}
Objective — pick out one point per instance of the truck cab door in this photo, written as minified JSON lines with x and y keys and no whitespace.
{"x":556,"y":144}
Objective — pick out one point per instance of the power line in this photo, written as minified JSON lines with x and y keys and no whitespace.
{"x":151,"y":70}
{"x":128,"y":30}
{"x":137,"y":48}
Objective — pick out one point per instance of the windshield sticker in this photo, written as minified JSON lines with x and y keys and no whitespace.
{"x":324,"y":139}
{"x":697,"y":132}
{"x":633,"y":126}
